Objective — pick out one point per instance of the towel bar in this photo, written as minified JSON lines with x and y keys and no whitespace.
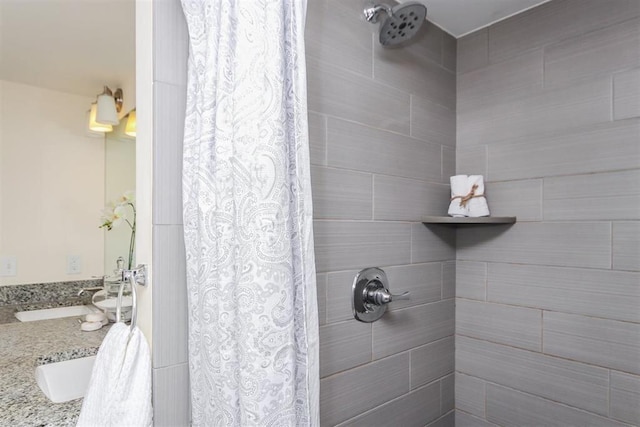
{"x":135,"y":277}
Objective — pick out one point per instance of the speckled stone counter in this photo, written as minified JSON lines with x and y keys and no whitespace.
{"x":25,"y":345}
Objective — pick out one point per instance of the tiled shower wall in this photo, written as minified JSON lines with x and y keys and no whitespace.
{"x":171,"y":403}
{"x":548,"y":310}
{"x":382,"y":128}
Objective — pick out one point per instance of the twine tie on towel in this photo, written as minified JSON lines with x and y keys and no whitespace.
{"x":471,"y":195}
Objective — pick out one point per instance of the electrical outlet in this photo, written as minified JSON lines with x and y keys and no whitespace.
{"x":8,"y":266}
{"x":74,"y":264}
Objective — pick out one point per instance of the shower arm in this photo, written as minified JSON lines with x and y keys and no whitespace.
{"x":371,"y":13}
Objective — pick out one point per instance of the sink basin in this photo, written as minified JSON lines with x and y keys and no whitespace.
{"x":65,"y":381}
{"x":55,"y":313}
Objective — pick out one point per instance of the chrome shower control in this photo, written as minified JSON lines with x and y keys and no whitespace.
{"x":371,"y":295}
{"x":379,"y":296}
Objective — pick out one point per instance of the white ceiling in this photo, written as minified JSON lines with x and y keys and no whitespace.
{"x":72,"y":46}
{"x":461,"y":17}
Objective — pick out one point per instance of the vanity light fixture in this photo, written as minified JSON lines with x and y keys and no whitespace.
{"x":109,"y":105}
{"x":130,"y":128}
{"x":94,"y":126}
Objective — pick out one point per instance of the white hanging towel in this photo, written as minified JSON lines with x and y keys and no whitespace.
{"x":477,"y":204}
{"x":119,"y":392}
{"x":459,"y":188}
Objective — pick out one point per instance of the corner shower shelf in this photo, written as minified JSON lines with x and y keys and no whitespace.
{"x":455,"y":221}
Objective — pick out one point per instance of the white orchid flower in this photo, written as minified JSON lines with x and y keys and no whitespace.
{"x":118,"y":216}
{"x":127,"y":197}
{"x":114,"y":214}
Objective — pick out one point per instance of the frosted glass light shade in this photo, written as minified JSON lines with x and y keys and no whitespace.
{"x":93,"y":124}
{"x":130,"y":129}
{"x":106,"y":111}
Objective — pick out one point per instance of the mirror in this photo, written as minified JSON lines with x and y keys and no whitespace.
{"x":55,"y":176}
{"x":119,"y":178}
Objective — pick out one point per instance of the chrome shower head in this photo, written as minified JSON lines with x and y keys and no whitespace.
{"x":402,"y":22}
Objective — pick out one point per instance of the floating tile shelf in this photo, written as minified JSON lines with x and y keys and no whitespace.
{"x":486,"y":220}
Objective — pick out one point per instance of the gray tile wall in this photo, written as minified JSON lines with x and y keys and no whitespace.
{"x":548,"y":310}
{"x":383,"y":148}
{"x":382,"y":135}
{"x":170,"y":355}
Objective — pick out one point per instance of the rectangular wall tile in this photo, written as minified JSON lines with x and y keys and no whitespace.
{"x":449,"y":52}
{"x":411,"y":70}
{"x":321,"y":286}
{"x":317,"y":139}
{"x":583,"y":244}
{"x":339,"y":295}
{"x":503,"y":324}
{"x":401,"y":199}
{"x":473,"y":51}
{"x":608,"y":343}
{"x":626,"y":245}
{"x":466,"y":420}
{"x":507,"y":407}
{"x":404,"y":329}
{"x":448,"y":164}
{"x":170,"y":311}
{"x":447,"y":420}
{"x":553,"y":21}
{"x":600,"y":148}
{"x":171,"y":407}
{"x":432,"y":122}
{"x":572,"y":383}
{"x":423,"y":281}
{"x":472,"y":161}
{"x":417,"y":408}
{"x":343,"y":346}
{"x":169,"y":107}
{"x":338,"y":92}
{"x":522,"y":199}
{"x":341,"y":194}
{"x":546,"y":112}
{"x":341,"y":395}
{"x":471,"y":280}
{"x":605,"y":196}
{"x":170,"y":45}
{"x":625,"y":395}
{"x":498,"y":83}
{"x":626,"y":94}
{"x":432,"y":361}
{"x":601,"y":293}
{"x":470,"y":394}
{"x":341,"y":245}
{"x":448,"y":279}
{"x":329,"y":25}
{"x":593,"y":54}
{"x":432,"y":243}
{"x":351,"y":146}
{"x":447,"y":393}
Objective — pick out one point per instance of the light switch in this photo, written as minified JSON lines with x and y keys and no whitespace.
{"x":74,"y":264}
{"x":8,"y":266}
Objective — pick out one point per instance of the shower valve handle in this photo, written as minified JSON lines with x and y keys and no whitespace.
{"x":375,"y":294}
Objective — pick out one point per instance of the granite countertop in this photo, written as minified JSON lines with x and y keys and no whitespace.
{"x":23,"y":346}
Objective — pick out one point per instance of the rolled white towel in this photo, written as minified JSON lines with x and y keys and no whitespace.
{"x":478,"y":203}
{"x":459,"y":188}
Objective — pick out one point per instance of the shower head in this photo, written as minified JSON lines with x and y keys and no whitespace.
{"x":401,"y":23}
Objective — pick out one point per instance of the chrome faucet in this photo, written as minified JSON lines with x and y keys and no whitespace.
{"x":94,"y":289}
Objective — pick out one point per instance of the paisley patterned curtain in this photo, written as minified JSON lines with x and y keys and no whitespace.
{"x":253,"y":328}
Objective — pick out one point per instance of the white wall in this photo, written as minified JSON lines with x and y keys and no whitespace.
{"x":51,"y":185}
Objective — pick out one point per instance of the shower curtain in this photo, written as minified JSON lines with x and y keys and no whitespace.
{"x":253,"y":328}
